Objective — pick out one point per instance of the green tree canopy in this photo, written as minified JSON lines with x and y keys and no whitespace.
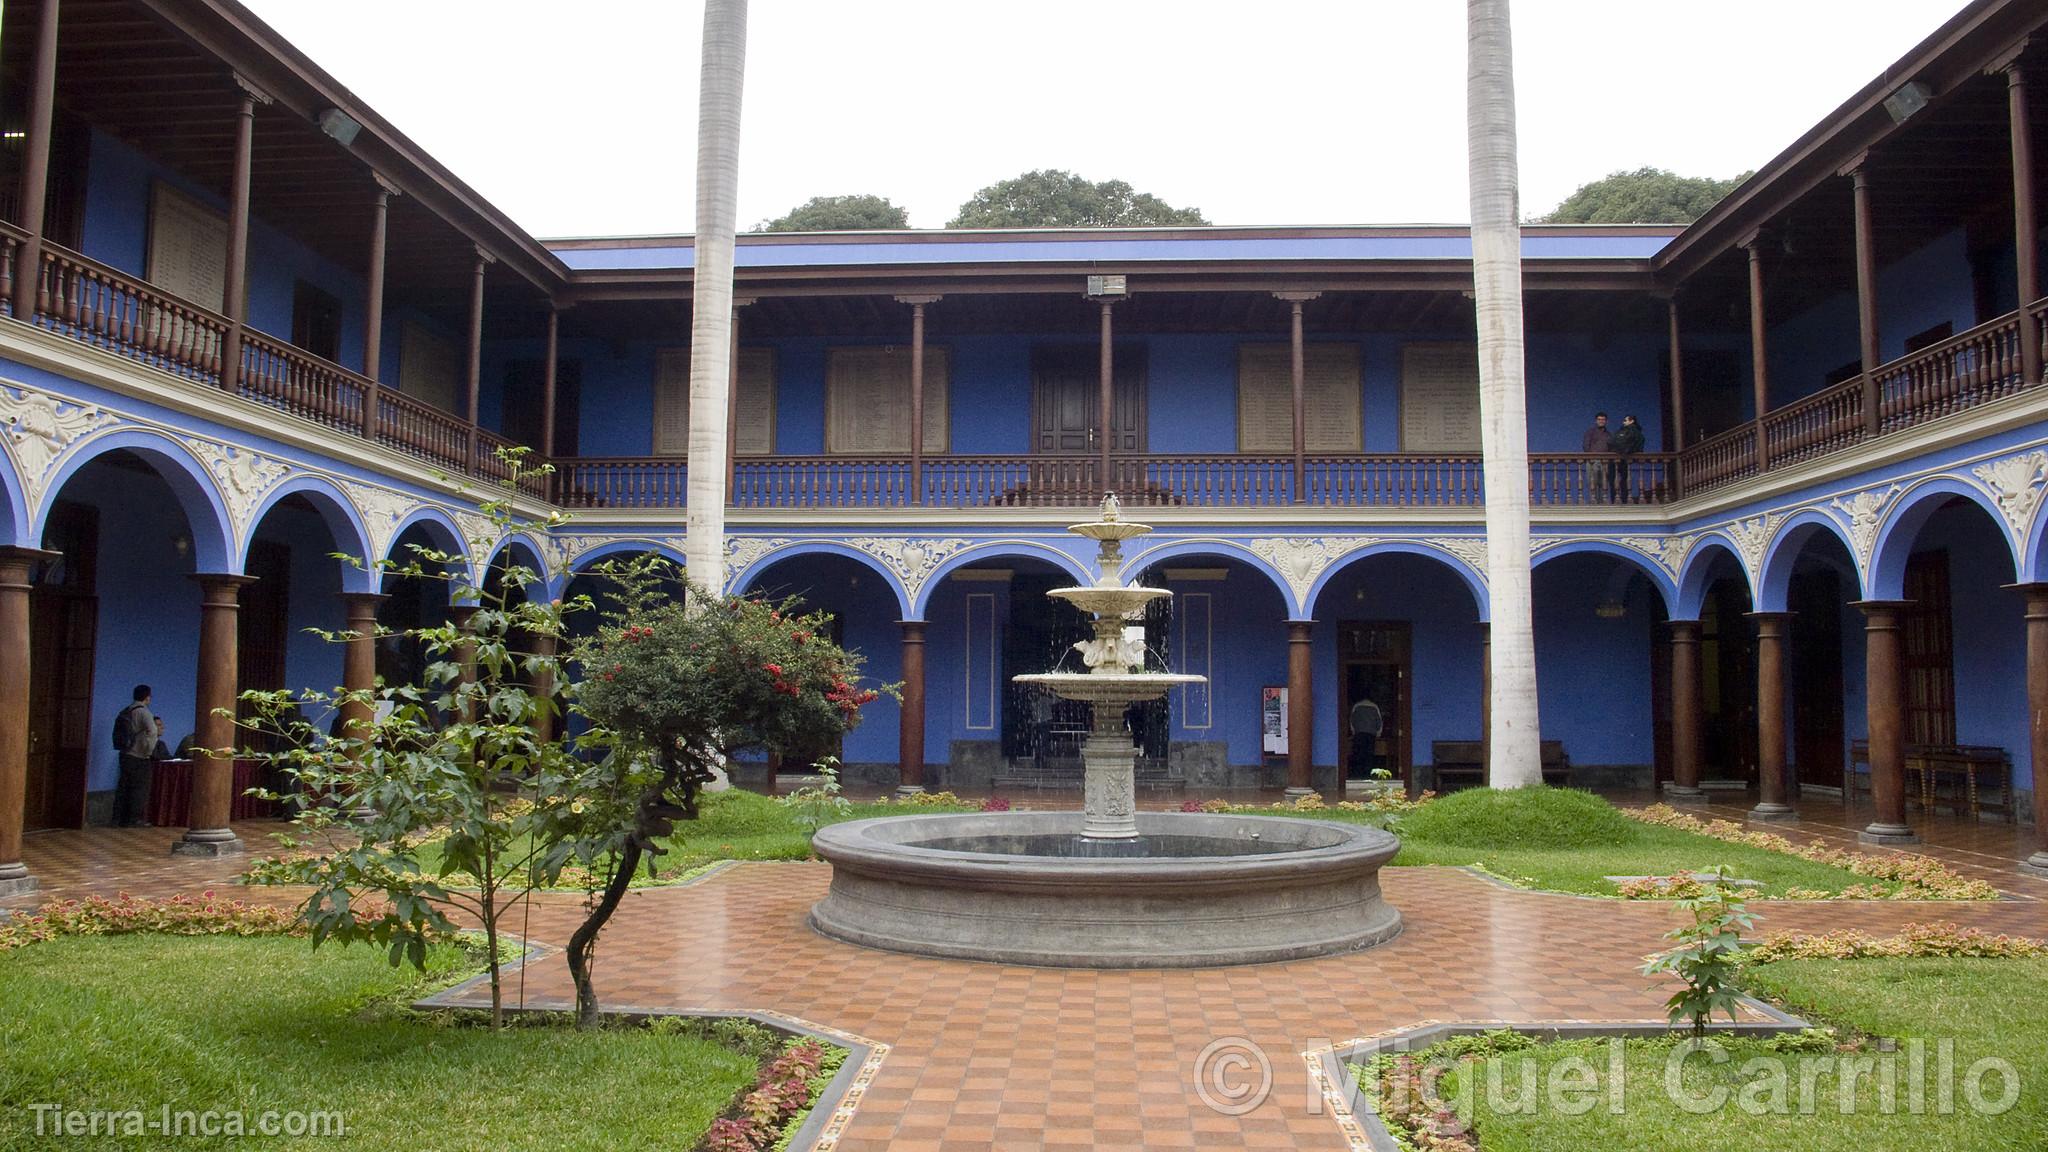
{"x":839,"y":214}
{"x":1644,"y":196}
{"x":1055,"y":199}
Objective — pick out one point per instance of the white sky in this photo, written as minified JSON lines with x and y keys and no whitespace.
{"x":580,"y":118}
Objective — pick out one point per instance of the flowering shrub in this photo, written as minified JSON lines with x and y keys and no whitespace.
{"x":1917,"y":877}
{"x":929,"y":800}
{"x":1384,"y":802}
{"x":783,"y":1091}
{"x":202,"y":915}
{"x":995,"y":804}
{"x":1940,"y":939}
{"x":1685,"y":887}
{"x":1408,"y":1108}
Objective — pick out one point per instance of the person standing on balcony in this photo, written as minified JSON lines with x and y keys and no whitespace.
{"x":1626,"y":442}
{"x":136,"y":733}
{"x":1597,"y":443}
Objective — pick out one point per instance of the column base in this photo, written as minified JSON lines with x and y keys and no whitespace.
{"x":15,"y":880}
{"x":910,"y":789}
{"x":1773,"y":814}
{"x":1293,"y":793}
{"x":1683,"y":794}
{"x":2036,"y":865}
{"x":208,"y":842}
{"x":1887,"y":834}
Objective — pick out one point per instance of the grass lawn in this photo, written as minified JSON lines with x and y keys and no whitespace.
{"x":1570,"y":841}
{"x":1549,"y":838}
{"x":256,"y":1024}
{"x":1988,"y":1008}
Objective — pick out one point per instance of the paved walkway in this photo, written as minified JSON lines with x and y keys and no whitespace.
{"x":991,"y":1057}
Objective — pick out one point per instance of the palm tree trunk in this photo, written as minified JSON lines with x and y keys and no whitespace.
{"x":1514,"y":748}
{"x":718,"y":166}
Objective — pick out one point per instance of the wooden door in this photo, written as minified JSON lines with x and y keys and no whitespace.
{"x":1928,"y":656}
{"x":1728,"y":682}
{"x":1373,"y":660}
{"x":1814,"y":662}
{"x":63,"y":629}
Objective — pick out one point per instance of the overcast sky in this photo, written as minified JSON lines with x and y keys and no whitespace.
{"x":578,"y":119}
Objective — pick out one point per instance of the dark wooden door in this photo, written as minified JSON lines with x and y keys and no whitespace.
{"x":1066,"y":399}
{"x":1815,"y":665}
{"x":1928,"y":659}
{"x":1728,"y":682}
{"x":519,"y":420}
{"x":1373,"y":661}
{"x":63,"y":630}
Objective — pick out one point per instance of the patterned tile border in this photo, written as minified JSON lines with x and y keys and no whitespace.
{"x":1359,"y":1122}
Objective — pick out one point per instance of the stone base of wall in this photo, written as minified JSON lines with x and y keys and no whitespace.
{"x":971,"y":765}
{"x":1597,"y":776}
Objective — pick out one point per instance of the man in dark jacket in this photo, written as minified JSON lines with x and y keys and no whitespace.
{"x":1597,"y":443}
{"x":136,"y":733}
{"x":1626,"y":442}
{"x":1366,"y":723}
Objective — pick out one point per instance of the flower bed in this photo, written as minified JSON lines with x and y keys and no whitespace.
{"x":120,"y":915}
{"x":1917,"y":877}
{"x":780,"y":1100}
{"x":1914,"y":940}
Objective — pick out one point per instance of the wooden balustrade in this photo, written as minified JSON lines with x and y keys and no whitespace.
{"x":1720,"y":459}
{"x":1961,"y":372}
{"x":622,"y":482}
{"x":534,"y":479}
{"x":422,"y":430}
{"x":820,"y":482}
{"x":300,"y":383}
{"x":1404,"y":478}
{"x":98,"y":305}
{"x":1816,"y":425}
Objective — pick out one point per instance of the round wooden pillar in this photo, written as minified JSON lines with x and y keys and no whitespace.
{"x":463,"y":616}
{"x":2037,"y":718}
{"x":542,"y":685}
{"x":213,"y":708}
{"x":1773,"y":788}
{"x":359,"y":657}
{"x":910,"y":721}
{"x":1884,"y":691}
{"x":15,"y":566}
{"x":1301,"y":707}
{"x":1686,"y":748}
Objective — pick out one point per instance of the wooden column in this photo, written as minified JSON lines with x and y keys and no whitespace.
{"x":235,"y":278}
{"x":1301,"y":707}
{"x":1866,"y":300}
{"x":373,"y":304}
{"x":473,"y":352}
{"x":463,"y":617}
{"x":542,"y":685}
{"x":2026,"y":226}
{"x":15,"y":566}
{"x":910,"y":721}
{"x":550,"y":368}
{"x":1106,"y":410}
{"x":213,"y":706}
{"x":1759,"y":351}
{"x":359,"y":656}
{"x":34,"y":191}
{"x":2037,"y":719}
{"x":1686,"y":748}
{"x":1297,"y":370}
{"x":1674,"y":436}
{"x":1885,"y":707}
{"x":917,"y":306}
{"x":1771,"y":633}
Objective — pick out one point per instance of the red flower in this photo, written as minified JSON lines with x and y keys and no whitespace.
{"x":772,"y":669}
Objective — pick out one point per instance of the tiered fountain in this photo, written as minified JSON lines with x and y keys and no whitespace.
{"x":1113,"y":888}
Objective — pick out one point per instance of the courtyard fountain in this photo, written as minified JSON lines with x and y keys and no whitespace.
{"x":1113,"y":888}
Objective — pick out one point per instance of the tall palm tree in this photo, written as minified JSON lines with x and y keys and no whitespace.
{"x":1514,"y":741}
{"x":718,"y":175}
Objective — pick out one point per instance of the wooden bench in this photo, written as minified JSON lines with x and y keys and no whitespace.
{"x":1929,"y":765}
{"x":1459,"y":764}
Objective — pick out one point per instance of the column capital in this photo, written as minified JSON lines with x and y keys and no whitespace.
{"x":929,"y":298}
{"x":1299,"y":631}
{"x":2008,"y":61}
{"x":913,"y":631}
{"x":1684,"y":631}
{"x":1752,"y":244}
{"x":221,"y":587}
{"x":484,"y":259}
{"x":1770,"y":617}
{"x":250,"y":92}
{"x":23,"y":557}
{"x":1296,"y":298}
{"x":1855,"y":168}
{"x":739,"y":302}
{"x":384,"y":185}
{"x":1880,"y":608}
{"x":364,"y":599}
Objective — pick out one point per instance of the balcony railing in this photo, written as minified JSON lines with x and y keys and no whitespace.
{"x":94,"y":304}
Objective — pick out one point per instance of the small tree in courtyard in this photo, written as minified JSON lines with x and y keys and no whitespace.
{"x":680,"y":689}
{"x":421,"y":802}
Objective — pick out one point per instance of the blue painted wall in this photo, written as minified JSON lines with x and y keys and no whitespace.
{"x":1192,"y":390}
{"x":1445,"y":653}
{"x":1247,"y":619}
{"x":1593,"y":673}
{"x":148,"y":608}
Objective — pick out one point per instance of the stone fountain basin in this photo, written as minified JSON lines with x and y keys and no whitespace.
{"x":1193,"y":890}
{"x":1108,"y":601}
{"x":1109,"y":687}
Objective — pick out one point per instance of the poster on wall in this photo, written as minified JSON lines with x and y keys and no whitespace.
{"x":1273,"y":720}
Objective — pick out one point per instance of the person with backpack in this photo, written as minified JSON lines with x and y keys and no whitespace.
{"x":1626,"y":442}
{"x":136,"y":734}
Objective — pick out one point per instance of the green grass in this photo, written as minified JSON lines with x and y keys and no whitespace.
{"x":1551,"y":838}
{"x":258,"y":1024}
{"x":1988,"y":1008}
{"x":1566,"y":840}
